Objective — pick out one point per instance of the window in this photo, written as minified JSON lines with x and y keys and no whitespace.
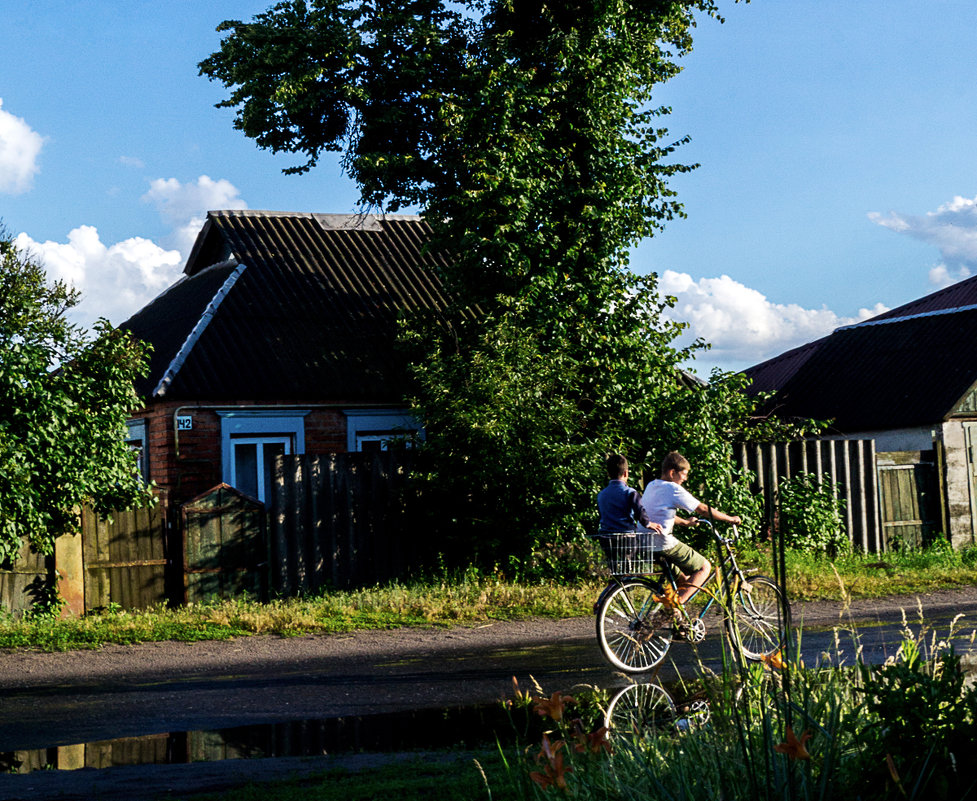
{"x":253,"y":462}
{"x":371,"y":430}
{"x":250,"y":441}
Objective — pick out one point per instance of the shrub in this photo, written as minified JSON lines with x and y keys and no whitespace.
{"x":810,"y":515}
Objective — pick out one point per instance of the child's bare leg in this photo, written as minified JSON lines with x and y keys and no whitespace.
{"x":694,"y":582}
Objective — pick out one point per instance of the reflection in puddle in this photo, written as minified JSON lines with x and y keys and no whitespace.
{"x":435,"y":728}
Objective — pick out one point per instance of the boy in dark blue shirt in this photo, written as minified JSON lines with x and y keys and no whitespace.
{"x":620,"y":505}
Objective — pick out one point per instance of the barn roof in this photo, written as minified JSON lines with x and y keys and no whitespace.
{"x":912,"y":366}
{"x":282,"y":306}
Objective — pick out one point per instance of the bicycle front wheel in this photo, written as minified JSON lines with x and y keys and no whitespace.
{"x":761,"y":618}
{"x":624,"y":631}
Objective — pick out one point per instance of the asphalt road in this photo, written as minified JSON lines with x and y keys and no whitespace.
{"x":52,"y":700}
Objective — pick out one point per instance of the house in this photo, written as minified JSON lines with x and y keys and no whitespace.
{"x":908,"y":380}
{"x":278,"y":339}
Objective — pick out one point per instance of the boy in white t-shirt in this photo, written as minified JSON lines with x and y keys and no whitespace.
{"x":661,"y":500}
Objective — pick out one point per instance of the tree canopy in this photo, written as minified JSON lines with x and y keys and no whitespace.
{"x":64,"y":399}
{"x":526,"y":132}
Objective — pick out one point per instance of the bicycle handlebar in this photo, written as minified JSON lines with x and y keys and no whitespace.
{"x":721,"y":540}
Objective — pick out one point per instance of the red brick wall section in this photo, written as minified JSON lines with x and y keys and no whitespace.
{"x":189,"y":463}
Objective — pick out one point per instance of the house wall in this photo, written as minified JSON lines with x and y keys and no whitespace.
{"x":920,"y":438}
{"x":188,"y":462}
{"x":958,"y":486}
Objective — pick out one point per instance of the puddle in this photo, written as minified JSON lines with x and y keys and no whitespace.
{"x":469,"y":727}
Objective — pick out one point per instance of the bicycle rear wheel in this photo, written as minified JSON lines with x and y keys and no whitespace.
{"x":761,"y":618}
{"x":626,"y":639}
{"x":640,"y":710}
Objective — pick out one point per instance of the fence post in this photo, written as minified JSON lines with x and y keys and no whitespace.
{"x":70,"y":571}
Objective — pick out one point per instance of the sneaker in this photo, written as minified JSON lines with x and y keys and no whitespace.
{"x":664,"y":617}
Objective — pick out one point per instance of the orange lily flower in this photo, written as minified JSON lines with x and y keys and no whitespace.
{"x":521,"y":697}
{"x":794,"y":747}
{"x":553,"y":706}
{"x":554,"y":772}
{"x":774,"y":660}
{"x":593,"y":742}
{"x":669,"y":598}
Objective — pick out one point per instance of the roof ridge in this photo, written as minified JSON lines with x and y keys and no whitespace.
{"x":918,"y":315}
{"x":197,"y":331}
{"x":353,"y":215}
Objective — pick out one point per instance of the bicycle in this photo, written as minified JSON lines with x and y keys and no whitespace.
{"x":635,"y":618}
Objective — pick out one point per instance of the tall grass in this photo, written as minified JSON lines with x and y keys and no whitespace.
{"x":461,"y":600}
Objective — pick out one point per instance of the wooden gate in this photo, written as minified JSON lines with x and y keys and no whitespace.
{"x":225,"y":550}
{"x":124,"y":558}
{"x":910,"y":504}
{"x":342,"y":520}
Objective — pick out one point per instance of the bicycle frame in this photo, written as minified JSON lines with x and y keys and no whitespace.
{"x":728,"y":574}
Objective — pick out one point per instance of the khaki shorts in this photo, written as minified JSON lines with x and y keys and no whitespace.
{"x":686,"y":559}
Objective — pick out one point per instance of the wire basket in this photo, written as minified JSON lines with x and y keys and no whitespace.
{"x":627,"y":554}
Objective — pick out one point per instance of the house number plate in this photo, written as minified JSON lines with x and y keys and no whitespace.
{"x":184,"y":423}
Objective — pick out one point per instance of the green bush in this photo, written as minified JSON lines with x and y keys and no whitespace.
{"x":810,"y":515}
{"x":925,"y":725}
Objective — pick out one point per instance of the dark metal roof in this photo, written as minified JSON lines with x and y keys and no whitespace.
{"x":299,"y":306}
{"x":886,"y":373}
{"x":955,"y":296}
{"x":772,"y":374}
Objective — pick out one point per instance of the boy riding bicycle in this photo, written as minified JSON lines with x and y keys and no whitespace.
{"x":661,"y":501}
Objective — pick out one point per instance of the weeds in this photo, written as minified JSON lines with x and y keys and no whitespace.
{"x":901,"y":730}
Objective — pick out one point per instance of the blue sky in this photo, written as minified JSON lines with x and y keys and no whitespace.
{"x":838,"y":168}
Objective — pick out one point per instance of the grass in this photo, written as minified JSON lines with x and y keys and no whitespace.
{"x":462,"y":600}
{"x":444,"y":777}
{"x":813,"y":577}
{"x":467,"y":599}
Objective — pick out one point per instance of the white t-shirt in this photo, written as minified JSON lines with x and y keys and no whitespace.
{"x":661,"y":500}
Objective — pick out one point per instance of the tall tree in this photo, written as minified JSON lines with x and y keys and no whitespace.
{"x":526,"y":132}
{"x":64,"y":399}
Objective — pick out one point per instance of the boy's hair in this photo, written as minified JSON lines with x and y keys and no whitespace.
{"x":674,"y":461}
{"x":617,"y":466}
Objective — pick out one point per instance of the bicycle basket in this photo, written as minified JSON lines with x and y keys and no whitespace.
{"x":627,"y":554}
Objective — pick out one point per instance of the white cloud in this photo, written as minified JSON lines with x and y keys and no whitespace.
{"x":119,"y":279}
{"x":941,"y":276}
{"x":115,"y":280}
{"x":20,"y":147}
{"x":741,"y":324}
{"x":952,"y":228}
{"x":184,"y":205}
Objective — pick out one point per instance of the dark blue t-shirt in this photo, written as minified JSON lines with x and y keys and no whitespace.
{"x":620,"y":508}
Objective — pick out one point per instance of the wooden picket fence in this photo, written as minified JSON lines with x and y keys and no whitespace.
{"x":849,"y":464}
{"x":340,"y":521}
